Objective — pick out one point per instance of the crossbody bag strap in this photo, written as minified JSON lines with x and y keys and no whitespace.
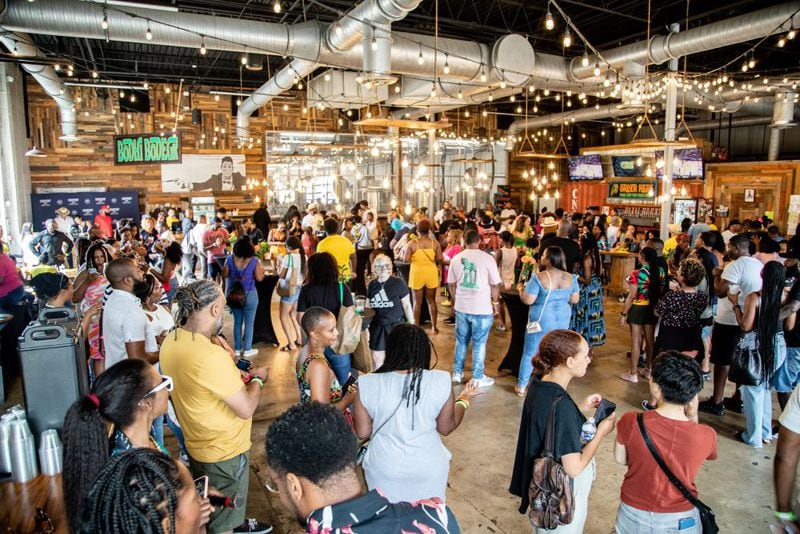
{"x":697,"y":503}
{"x":547,"y":297}
{"x":341,"y":294}
{"x":550,"y":431}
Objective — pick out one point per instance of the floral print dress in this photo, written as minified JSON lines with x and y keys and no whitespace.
{"x":587,"y":314}
{"x":305,"y":387}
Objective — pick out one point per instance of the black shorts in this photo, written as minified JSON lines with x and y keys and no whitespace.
{"x":724,"y":338}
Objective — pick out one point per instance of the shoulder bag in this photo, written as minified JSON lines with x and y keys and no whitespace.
{"x":746,"y":364}
{"x":550,"y":493}
{"x":349,"y":324}
{"x":236,"y":293}
{"x":362,"y":449}
{"x":534,"y":327}
{"x":288,"y":284}
{"x":707,"y":518}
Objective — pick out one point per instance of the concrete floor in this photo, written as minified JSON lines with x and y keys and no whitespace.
{"x":737,"y":486}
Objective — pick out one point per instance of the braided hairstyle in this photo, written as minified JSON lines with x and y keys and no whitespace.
{"x":773,"y":280}
{"x":133,"y":493}
{"x":408,"y":348}
{"x":114,"y":399}
{"x":194,"y":297}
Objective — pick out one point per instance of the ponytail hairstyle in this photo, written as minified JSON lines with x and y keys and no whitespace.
{"x":651,"y":259}
{"x":134,"y":492}
{"x":293,"y":243}
{"x":194,"y":297}
{"x":773,"y":280}
{"x":114,"y":399}
{"x":555,"y":348}
{"x":146,"y":288}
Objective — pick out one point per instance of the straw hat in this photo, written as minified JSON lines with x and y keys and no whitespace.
{"x":63,"y":211}
{"x":674,"y":228}
{"x":549,"y":222}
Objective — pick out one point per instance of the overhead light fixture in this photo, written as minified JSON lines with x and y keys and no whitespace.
{"x":567,"y":38}
{"x":446,"y":64}
{"x":420,"y":59}
{"x":276,"y":7}
{"x":35,"y":153}
{"x":148,"y":34}
{"x":585,"y":59}
{"x":374,"y":42}
{"x":203,"y":50}
{"x":549,"y":23}
{"x":104,"y":23}
{"x":244,"y":59}
{"x":596,"y":70}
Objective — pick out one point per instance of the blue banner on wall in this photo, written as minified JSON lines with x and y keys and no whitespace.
{"x":123,"y":204}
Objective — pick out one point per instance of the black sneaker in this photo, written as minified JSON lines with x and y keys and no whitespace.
{"x":450,"y":320}
{"x":708,"y":406}
{"x":253,"y":526}
{"x":706,"y":376}
{"x":733,"y":405}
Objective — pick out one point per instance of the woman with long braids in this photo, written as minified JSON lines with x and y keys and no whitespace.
{"x":144,"y":491}
{"x":403,"y":407}
{"x":587,"y":313}
{"x":89,"y":287}
{"x":761,"y":313}
{"x":126,"y":398}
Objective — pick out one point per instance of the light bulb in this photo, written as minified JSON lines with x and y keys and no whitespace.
{"x":744,"y":66}
{"x":791,"y":34}
{"x":94,"y":74}
{"x":374,"y":44}
{"x":121,"y":94}
{"x":276,"y":7}
{"x":549,"y":23}
{"x":557,"y":194}
{"x":337,"y":28}
{"x":133,"y":97}
{"x":104,"y":24}
{"x":202,"y":47}
{"x":491,"y":97}
{"x":484,"y":113}
{"x":567,"y":38}
{"x":216,"y":98}
{"x":596,"y":70}
{"x":483,"y":74}
{"x":585,"y":59}
{"x":146,"y":85}
{"x":781,"y":42}
{"x":446,"y":65}
{"x":460,"y":95}
{"x":752,"y":62}
{"x":238,"y":101}
{"x":148,"y":34}
{"x":167,"y":90}
{"x":244,"y":59}
{"x":420,"y":59}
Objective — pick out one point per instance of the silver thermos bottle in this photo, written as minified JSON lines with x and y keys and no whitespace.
{"x":50,"y":453}
{"x":23,"y":452}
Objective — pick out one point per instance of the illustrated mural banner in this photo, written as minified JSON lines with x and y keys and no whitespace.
{"x":201,"y":172}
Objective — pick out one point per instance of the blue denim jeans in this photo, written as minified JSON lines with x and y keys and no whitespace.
{"x":475,"y":328}
{"x":248,"y":315}
{"x":758,"y":403}
{"x":631,"y":520}
{"x":340,"y":364}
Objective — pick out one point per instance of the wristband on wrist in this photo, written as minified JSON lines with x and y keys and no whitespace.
{"x":786,"y":516}
{"x":464,"y":403}
{"x":258,"y":380}
{"x":624,"y":314}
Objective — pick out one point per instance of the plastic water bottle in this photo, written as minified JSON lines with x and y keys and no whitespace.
{"x":588,"y":430}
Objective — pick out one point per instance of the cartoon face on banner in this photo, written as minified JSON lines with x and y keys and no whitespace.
{"x":201,"y":172}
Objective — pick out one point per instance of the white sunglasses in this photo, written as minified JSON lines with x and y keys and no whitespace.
{"x":166,"y":383}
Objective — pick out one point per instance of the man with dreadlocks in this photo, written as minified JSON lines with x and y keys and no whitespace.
{"x":213,"y":406}
{"x":403,"y":407}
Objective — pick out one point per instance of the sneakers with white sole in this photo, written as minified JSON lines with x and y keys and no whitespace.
{"x":457,"y":378}
{"x":484,"y":382}
{"x":250,"y":353}
{"x":253,"y":526}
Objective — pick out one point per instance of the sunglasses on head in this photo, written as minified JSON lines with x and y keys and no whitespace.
{"x":166,"y":383}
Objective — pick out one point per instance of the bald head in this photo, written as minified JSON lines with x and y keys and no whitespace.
{"x":122,"y":273}
{"x":564,"y":226}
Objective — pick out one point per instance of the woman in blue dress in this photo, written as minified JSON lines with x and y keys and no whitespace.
{"x":587,"y":313}
{"x":550,"y":295}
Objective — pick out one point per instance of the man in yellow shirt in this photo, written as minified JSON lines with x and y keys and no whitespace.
{"x":340,"y":248}
{"x":213,"y":405}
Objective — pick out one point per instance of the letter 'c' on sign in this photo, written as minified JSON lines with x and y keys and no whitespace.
{"x":575,"y":193}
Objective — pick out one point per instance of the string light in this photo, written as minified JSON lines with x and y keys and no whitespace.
{"x":420,"y":59}
{"x":549,"y":23}
{"x":148,"y":34}
{"x":446,"y":64}
{"x":244,"y":59}
{"x":276,"y":7}
{"x":596,"y":70}
{"x":104,"y":23}
{"x":374,"y":43}
{"x":567,"y":38}
{"x":203,"y":50}
{"x":95,"y":74}
{"x":791,"y":34}
{"x":585,"y":58}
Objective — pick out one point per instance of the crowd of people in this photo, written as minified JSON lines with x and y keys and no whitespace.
{"x":153,"y":296}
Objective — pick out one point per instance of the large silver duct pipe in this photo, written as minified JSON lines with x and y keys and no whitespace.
{"x":711,"y":36}
{"x":736,"y":122}
{"x":586,"y":114}
{"x":342,"y":35}
{"x":46,"y":76}
{"x":782,"y":118}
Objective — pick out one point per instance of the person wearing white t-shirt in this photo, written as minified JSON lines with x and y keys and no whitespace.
{"x":196,"y":242}
{"x":124,"y":321}
{"x":734,"y":228}
{"x":742,"y":276}
{"x":474,"y":282}
{"x":508,"y":212}
{"x":787,"y":455}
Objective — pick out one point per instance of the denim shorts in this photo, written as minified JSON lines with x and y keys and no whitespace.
{"x":631,"y":520}
{"x":291,"y":299}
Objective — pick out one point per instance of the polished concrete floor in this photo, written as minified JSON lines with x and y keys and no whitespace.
{"x":737,"y":485}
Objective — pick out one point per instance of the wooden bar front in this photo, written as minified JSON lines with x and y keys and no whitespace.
{"x":622,"y":263}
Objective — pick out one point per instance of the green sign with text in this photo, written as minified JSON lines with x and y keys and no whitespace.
{"x":632,"y":190}
{"x":146,"y":149}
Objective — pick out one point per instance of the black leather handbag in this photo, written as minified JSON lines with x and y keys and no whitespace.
{"x":746,"y":365}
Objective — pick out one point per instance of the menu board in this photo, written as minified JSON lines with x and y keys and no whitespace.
{"x":626,"y":166}
{"x":686,"y":164}
{"x":585,"y":167}
{"x":146,"y":149}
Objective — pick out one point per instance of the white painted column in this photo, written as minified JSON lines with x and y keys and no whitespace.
{"x":669,"y":152}
{"x":15,"y":176}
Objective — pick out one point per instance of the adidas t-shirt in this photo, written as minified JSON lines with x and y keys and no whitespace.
{"x":385,"y":299}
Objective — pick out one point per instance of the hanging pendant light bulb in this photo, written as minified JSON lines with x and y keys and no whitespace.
{"x":420,"y":59}
{"x":276,"y":7}
{"x":549,"y":22}
{"x":585,"y":59}
{"x":104,"y":23}
{"x":557,"y":194}
{"x":567,"y":38}
{"x":491,"y":97}
{"x":683,"y":191}
{"x":148,"y":34}
{"x":203,"y":50}
{"x":374,"y":42}
{"x":483,"y":74}
{"x":446,"y":64}
{"x":596,"y":70}
{"x":460,"y":94}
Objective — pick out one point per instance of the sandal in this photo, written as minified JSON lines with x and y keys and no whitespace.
{"x":630,"y":377}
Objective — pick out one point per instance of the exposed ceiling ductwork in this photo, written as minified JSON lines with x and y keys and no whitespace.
{"x":22,"y":45}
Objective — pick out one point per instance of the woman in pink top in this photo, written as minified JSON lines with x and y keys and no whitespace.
{"x":90,"y":285}
{"x":11,"y":290}
{"x":452,"y":247}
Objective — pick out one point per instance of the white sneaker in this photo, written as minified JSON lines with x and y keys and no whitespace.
{"x":484,"y":382}
{"x":251,"y":352}
{"x":457,"y":378}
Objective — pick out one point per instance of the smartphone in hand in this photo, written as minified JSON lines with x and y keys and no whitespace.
{"x":605,"y":409}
